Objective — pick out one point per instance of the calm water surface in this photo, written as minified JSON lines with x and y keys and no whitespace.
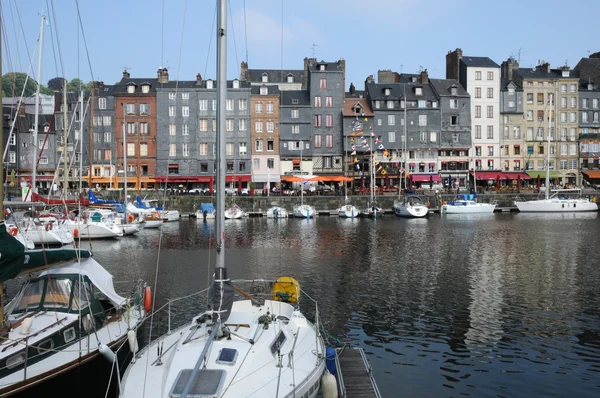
{"x":491,"y":305}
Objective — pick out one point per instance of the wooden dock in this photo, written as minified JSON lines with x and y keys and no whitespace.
{"x":354,"y":376}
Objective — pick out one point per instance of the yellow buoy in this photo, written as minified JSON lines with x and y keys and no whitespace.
{"x":286,"y":289}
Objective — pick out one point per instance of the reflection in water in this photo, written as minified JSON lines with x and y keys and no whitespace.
{"x":475,"y":305}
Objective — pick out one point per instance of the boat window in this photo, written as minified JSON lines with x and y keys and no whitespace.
{"x":278,"y":343}
{"x":227,"y":356}
{"x":58,"y":293}
{"x":69,"y":335}
{"x":207,"y":382}
{"x":81,"y":296}
{"x":32,"y":296}
{"x":45,"y":346}
{"x":15,"y":360}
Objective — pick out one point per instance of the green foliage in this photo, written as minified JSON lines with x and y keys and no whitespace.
{"x":12,"y":85}
{"x":56,"y":83}
{"x":78,"y":85}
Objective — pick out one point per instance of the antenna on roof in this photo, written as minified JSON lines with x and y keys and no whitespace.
{"x":519,"y":54}
{"x":421,"y":68}
{"x":314,"y":49}
{"x":125,"y":68}
{"x":401,"y":65}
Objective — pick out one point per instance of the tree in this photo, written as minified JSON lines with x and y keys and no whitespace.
{"x":12,"y":85}
{"x":78,"y":85}
{"x":56,"y":83}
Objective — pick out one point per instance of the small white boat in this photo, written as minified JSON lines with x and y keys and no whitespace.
{"x":303,"y":211}
{"x":348,"y":211}
{"x":277,"y":212}
{"x":205,"y":212}
{"x":234,"y":212}
{"x":96,"y":224}
{"x":561,"y":201}
{"x":410,"y":206}
{"x":466,"y":204}
{"x":372,"y":211}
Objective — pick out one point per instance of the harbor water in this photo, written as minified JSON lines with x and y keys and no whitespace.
{"x":475,"y":305}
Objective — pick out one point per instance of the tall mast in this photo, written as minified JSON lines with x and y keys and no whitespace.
{"x":1,"y":161}
{"x":81,"y":117}
{"x":37,"y":109}
{"x":301,"y":175}
{"x":65,"y":137}
{"x":91,"y":137}
{"x":221,"y":99}
{"x":372,"y":169}
{"x":125,"y":161}
{"x":548,"y":149}
{"x":404,"y":143}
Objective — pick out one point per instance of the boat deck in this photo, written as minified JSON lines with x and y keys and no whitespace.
{"x":354,"y":376}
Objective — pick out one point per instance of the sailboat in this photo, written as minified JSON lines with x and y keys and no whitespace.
{"x":301,"y":210}
{"x":373,"y":210}
{"x":561,"y":200}
{"x":256,"y":347}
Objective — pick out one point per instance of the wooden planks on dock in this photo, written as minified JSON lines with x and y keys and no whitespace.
{"x":354,"y":375}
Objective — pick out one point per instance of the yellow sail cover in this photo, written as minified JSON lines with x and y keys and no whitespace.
{"x":286,"y":289}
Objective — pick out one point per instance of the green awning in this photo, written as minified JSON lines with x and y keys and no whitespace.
{"x":542,"y":174}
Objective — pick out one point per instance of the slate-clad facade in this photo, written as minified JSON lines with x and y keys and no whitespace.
{"x":295,"y":132}
{"x":103,"y":134}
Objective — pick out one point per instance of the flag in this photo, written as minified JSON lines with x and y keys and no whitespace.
{"x":372,"y":133}
{"x":353,"y":147}
{"x":383,"y":172}
{"x":381,"y":146}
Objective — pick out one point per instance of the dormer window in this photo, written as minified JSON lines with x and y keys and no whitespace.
{"x":264,"y":90}
{"x":130,"y":88}
{"x":209,"y":84}
{"x":236,"y":83}
{"x":511,"y":91}
{"x":295,"y":101}
{"x":453,"y":91}
{"x":386,"y":91}
{"x":290,"y":78}
{"x":265,"y":78}
{"x":321,"y":67}
{"x":413,"y":79}
{"x":590,"y":86}
{"x":357,"y":109}
{"x":145,"y":88}
{"x":418,"y":91}
{"x":565,"y":73}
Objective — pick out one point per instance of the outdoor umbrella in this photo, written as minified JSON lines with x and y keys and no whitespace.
{"x":430,"y":181}
{"x":539,"y":182}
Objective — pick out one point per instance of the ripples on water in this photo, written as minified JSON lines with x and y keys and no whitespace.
{"x":501,"y":305}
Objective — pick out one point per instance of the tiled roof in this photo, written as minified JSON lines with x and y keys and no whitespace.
{"x":442,"y":87}
{"x":482,"y":62}
{"x":349,"y":104}
{"x":302,"y":97}
{"x":275,"y":75}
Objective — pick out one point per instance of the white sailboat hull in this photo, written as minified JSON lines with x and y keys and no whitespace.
{"x":170,"y":215}
{"x":58,"y":235}
{"x":348,"y":211}
{"x":556,"y":205}
{"x":133,"y":227}
{"x":467,"y":207}
{"x":277,"y":212}
{"x":234,"y":213}
{"x":92,"y":230}
{"x":209,"y":215}
{"x":411,"y":211}
{"x":153,"y":223}
{"x":254,"y":372}
{"x":303,"y":211}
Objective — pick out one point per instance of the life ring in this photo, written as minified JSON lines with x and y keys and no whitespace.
{"x":147,"y":299}
{"x":156,"y":216}
{"x":130,"y":218}
{"x":76,"y":233}
{"x":49,"y":226}
{"x":13,"y":231}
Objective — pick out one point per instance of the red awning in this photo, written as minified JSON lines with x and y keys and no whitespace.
{"x":489,"y":175}
{"x":411,"y":164}
{"x":37,"y":178}
{"x":426,"y":178}
{"x":431,"y":163}
{"x":296,"y":161}
{"x":516,"y":175}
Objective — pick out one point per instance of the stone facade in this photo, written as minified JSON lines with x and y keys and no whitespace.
{"x":265,"y":143}
{"x":512,"y":122}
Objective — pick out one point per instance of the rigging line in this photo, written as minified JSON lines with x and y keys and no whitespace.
{"x":60,"y":56}
{"x":282,"y":41}
{"x":14,"y":26}
{"x":84,"y":40}
{"x":245,"y":31}
{"x":32,"y":72}
{"x":210,"y":40}
{"x":233,"y":35}
{"x":52,"y":40}
{"x":180,"y":48}
{"x":162,"y":35}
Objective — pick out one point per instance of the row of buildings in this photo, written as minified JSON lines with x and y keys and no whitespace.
{"x":499,"y":121}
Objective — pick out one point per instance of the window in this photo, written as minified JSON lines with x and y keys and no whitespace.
{"x":229,"y":104}
{"x":203,"y":124}
{"x":516,"y":132}
{"x":392,"y":136}
{"x":295,"y":101}
{"x":43,"y":160}
{"x":454,"y":120}
{"x":455,"y":137}
{"x":573,"y":88}
{"x":269,"y":107}
{"x":258,"y":107}
{"x":453,"y":104}
{"x":171,"y":110}
{"x":490,"y":92}
{"x":478,"y":132}
{"x":143,"y":149}
{"x":329,"y":121}
{"x":323,"y":83}
{"x":204,"y":149}
{"x":172,"y":129}
{"x":229,"y":125}
{"x":329,"y":140}
{"x":433,"y":136}
{"x":477,"y":75}
{"x":185,"y":111}
{"x":511,"y":104}
{"x":259,"y":126}
{"x":259,"y":145}
{"x":107,"y":154}
{"x":171,"y":96}
{"x":563,"y":117}
{"x":540,"y":115}
{"x":317,"y":102}
{"x":214,"y":105}
{"x":573,"y":102}
{"x":270,"y":145}
{"x":420,"y":103}
{"x":318,"y":121}
{"x":242,"y":166}
{"x":256,"y":164}
{"x":477,"y":92}
{"x":243,"y":149}
{"x":490,"y":151}
{"x":265,"y":78}
{"x":328,"y":102}
{"x":243,"y":104}
{"x":418,"y":91}
{"x":490,"y":132}
{"x":295,"y":113}
{"x":185,"y":130}
{"x":270,"y":126}
{"x":144,"y":109}
{"x":130,"y":149}
{"x":173,"y":169}
{"x":12,"y":140}
{"x":242,"y":124}
{"x":490,"y":111}
{"x":585,"y":103}
{"x":490,"y":76}
{"x":107,"y":135}
{"x":391,"y":120}
{"x":530,"y":98}
{"x":584,"y":117}
{"x":390,"y":104}
{"x":229,"y":149}
{"x":271,"y":162}
{"x":295,"y":129}
{"x":422,"y":120}
{"x":529,"y":115}
{"x":477,"y":151}
{"x":511,"y":91}
{"x":377,"y":104}
{"x":540,"y":133}
{"x":318,"y":141}
{"x":572,"y":117}
{"x":423,"y":136}
{"x":477,"y":111}
{"x":264,"y":91}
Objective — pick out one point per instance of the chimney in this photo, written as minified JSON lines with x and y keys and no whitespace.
{"x":163,"y":75}
{"x":198,"y":79}
{"x":424,"y":77}
{"x":508,"y":67}
{"x":125,"y":74}
{"x":342,"y":63}
{"x":306,"y":80}
{"x":244,"y":71}
{"x":453,"y":64}
{"x":352,"y":89}
{"x":595,"y":55}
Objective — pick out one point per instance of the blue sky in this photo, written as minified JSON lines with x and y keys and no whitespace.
{"x":402,"y":35}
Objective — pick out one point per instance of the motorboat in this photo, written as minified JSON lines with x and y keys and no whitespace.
{"x":411,"y":206}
